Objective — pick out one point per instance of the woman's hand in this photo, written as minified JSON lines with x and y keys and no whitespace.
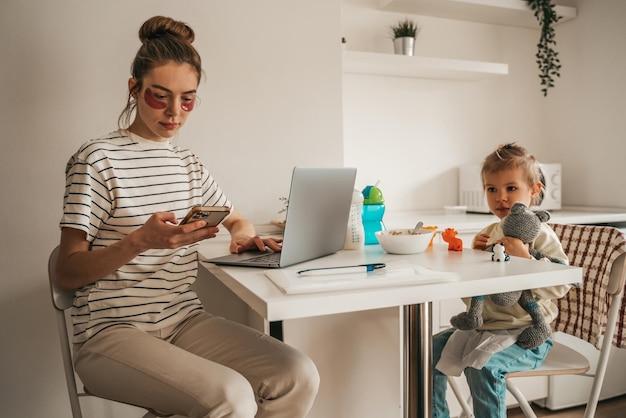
{"x":245,"y":243}
{"x":244,"y":236}
{"x":161,"y":231}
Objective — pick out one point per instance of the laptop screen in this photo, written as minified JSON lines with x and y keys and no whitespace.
{"x":316,"y":221}
{"x":318,"y":211}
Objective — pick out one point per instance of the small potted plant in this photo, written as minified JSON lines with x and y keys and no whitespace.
{"x":404,"y":33}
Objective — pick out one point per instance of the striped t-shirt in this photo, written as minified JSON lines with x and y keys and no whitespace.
{"x":113,"y":185}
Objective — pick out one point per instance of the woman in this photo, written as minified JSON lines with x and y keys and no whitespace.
{"x":141,"y":335}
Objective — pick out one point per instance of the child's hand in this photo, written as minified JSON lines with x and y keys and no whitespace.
{"x":515,"y":247}
{"x":480,"y":242}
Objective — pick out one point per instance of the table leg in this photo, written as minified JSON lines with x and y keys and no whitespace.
{"x":276,"y":330}
{"x":418,"y":361}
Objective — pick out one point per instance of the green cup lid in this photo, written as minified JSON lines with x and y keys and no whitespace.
{"x":372,"y":194}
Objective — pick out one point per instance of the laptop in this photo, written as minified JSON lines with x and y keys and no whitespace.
{"x":316,"y":221}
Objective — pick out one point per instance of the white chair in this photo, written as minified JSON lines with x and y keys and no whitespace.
{"x":601,"y":252}
{"x":62,"y":300}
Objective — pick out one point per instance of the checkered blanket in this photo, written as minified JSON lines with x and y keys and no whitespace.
{"x":583,"y":311}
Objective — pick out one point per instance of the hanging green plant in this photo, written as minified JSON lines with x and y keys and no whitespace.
{"x":547,"y":58}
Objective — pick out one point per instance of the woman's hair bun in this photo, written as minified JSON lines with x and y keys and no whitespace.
{"x":159,"y":26}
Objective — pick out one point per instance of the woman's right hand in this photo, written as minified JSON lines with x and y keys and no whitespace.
{"x":78,"y":266}
{"x":161,"y":231}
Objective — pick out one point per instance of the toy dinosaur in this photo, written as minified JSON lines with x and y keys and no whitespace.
{"x":523,"y":224}
{"x":454,"y":243}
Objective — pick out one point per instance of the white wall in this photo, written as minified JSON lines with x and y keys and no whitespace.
{"x":585,"y":124}
{"x":63,"y":73}
{"x":271,"y":100}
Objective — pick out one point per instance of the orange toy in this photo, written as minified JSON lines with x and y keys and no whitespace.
{"x":431,"y":228}
{"x":454,"y":243}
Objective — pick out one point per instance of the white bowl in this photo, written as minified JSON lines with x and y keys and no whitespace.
{"x":402,"y":241}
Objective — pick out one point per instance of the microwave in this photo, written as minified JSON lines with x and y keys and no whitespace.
{"x":472,"y":195}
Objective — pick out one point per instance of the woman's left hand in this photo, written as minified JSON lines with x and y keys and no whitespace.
{"x":245,"y":238}
{"x":241,"y":244}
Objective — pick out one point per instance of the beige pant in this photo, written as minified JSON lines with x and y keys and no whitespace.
{"x":208,"y":368}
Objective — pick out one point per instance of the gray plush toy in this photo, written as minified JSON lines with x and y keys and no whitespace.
{"x":523,"y":224}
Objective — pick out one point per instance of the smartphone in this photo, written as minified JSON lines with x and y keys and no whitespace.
{"x":213,"y":215}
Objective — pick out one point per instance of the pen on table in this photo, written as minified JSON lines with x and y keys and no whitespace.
{"x":358,"y":268}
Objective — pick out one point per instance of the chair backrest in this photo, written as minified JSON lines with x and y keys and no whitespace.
{"x":62,"y":300}
{"x":600,"y":251}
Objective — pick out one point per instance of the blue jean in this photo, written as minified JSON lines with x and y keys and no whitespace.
{"x":487,"y":385}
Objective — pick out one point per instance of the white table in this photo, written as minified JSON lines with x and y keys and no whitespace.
{"x":478,"y":276}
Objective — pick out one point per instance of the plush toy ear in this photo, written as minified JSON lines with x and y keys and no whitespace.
{"x":543,"y":215}
{"x":518,"y":207}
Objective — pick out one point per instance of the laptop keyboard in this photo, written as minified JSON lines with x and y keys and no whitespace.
{"x":264,"y":258}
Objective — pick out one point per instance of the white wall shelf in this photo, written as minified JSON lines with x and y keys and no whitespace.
{"x":355,"y":62}
{"x":499,"y":12}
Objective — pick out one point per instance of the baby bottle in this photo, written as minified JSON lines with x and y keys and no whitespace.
{"x":373,"y":211}
{"x":355,"y":236}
